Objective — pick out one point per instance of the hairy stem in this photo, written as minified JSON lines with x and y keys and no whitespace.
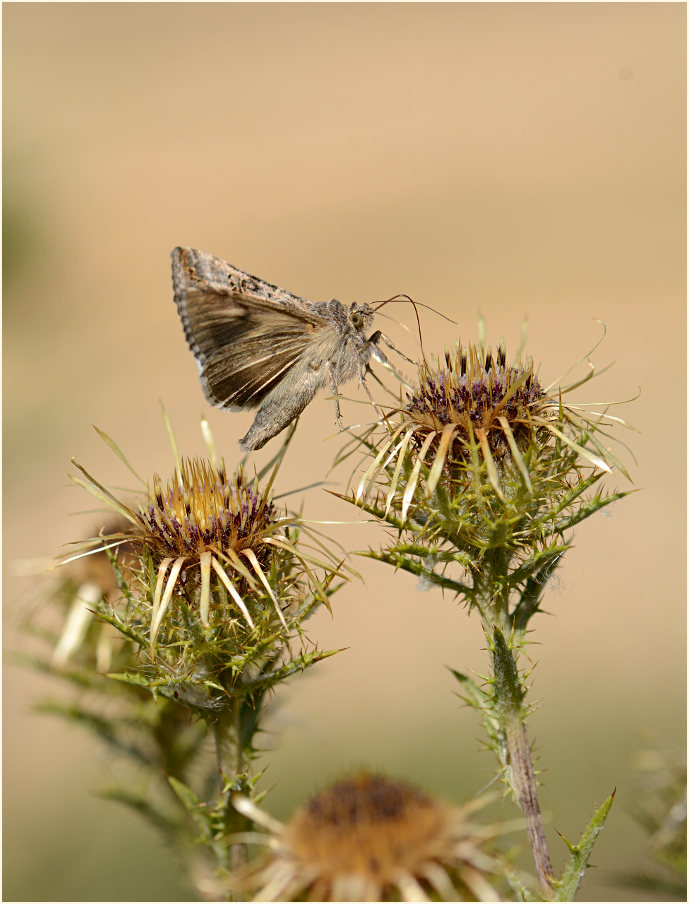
{"x":508,"y":699}
{"x":231,"y":763}
{"x":524,"y":784}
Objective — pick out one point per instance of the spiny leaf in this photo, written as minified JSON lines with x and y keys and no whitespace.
{"x":105,"y":729}
{"x":201,"y":815}
{"x":207,"y":818}
{"x":127,"y":630}
{"x":567,"y":499}
{"x":143,"y":807}
{"x":589,"y":508}
{"x":579,"y":853}
{"x":536,"y":563}
{"x":475,"y":695}
{"x":531,"y":595}
{"x":418,"y":569}
{"x":437,"y":555}
{"x":478,"y":699}
{"x":298,"y":664}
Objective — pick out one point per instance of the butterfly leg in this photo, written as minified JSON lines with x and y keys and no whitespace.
{"x":336,"y":396}
{"x":362,"y":380}
{"x":371,"y":373}
{"x":378,"y":355}
{"x":378,"y":336}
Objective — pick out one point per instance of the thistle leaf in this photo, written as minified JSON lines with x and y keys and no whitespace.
{"x":143,"y":807}
{"x":580,"y":853}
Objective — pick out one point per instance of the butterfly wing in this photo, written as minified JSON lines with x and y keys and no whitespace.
{"x":245,"y":334}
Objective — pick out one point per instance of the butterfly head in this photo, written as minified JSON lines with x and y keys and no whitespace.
{"x":360,"y":316}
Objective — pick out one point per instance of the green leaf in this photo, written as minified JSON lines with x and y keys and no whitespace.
{"x":535,"y":563}
{"x":589,"y":508}
{"x":105,"y":729}
{"x":478,"y":699}
{"x":298,"y":664}
{"x":475,"y":696}
{"x":205,"y":817}
{"x":123,"y":628}
{"x":575,"y":868}
{"x":530,"y":596}
{"x":200,"y":814}
{"x":160,"y":821}
{"x":568,"y":498}
{"x":437,"y":555}
{"x":520,"y":891}
{"x":418,"y":569}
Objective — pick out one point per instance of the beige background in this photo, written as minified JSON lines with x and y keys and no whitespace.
{"x":508,"y":159}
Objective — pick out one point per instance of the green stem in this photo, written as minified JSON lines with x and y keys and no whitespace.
{"x":227,"y":746}
{"x":508,"y":705}
{"x":231,"y":762}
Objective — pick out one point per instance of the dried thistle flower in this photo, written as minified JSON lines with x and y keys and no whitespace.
{"x":369,"y":838}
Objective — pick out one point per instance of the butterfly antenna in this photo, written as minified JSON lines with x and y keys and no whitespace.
{"x":420,"y":304}
{"x":415,"y":305}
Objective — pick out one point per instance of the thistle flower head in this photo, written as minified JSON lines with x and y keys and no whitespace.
{"x":481,"y":472}
{"x":200,"y":510}
{"x":212,"y":551}
{"x":195,"y":528}
{"x":369,"y":838}
{"x":473,"y":392}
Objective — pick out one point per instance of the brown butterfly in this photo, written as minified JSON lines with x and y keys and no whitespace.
{"x":258,"y":345}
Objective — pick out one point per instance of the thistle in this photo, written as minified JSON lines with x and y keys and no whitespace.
{"x":482,"y":471}
{"x":198,"y":595}
{"x":369,"y":838}
{"x":191,"y":525}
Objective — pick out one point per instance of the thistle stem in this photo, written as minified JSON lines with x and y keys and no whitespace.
{"x":231,"y":763}
{"x":508,"y":707}
{"x":524,"y":784}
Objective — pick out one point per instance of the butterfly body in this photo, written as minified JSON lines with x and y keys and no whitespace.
{"x":258,"y":345}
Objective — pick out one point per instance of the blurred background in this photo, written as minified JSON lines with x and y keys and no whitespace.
{"x":509,"y":160}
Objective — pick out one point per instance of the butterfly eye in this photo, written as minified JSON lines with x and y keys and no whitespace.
{"x":357,"y":319}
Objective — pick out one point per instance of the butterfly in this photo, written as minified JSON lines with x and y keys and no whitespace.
{"x":257,"y":345}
